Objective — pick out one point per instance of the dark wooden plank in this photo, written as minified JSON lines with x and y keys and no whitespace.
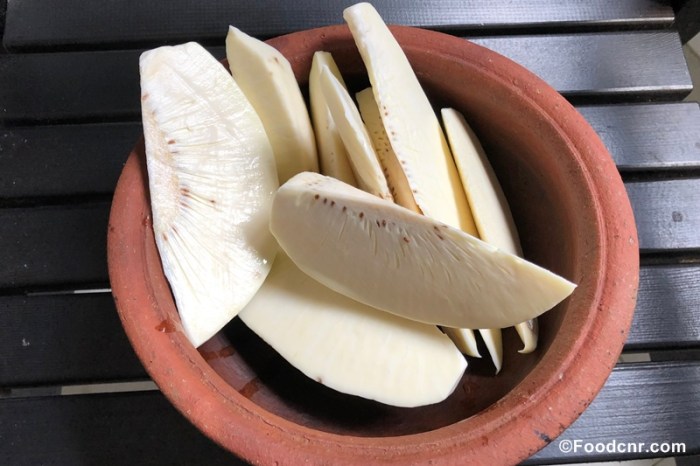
{"x":668,"y":309}
{"x":136,"y":428}
{"x":645,"y":137}
{"x":667,"y":213}
{"x":53,"y":245}
{"x":63,"y":339}
{"x":34,"y":24}
{"x":69,"y":85}
{"x":66,"y":244}
{"x":69,"y":160}
{"x":84,"y":159}
{"x":640,"y":403}
{"x":63,"y":160}
{"x":104,"y":85}
{"x":638,"y":65}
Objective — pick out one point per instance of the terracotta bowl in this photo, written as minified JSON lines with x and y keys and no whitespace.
{"x":573,"y":216}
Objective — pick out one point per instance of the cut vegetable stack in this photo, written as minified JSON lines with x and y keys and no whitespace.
{"x":373,"y":257}
{"x":337,"y":341}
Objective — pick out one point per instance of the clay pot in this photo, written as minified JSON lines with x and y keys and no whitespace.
{"x":573,"y":216}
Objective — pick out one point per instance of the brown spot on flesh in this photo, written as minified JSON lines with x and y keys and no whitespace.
{"x":344,"y":208}
{"x":325,"y":200}
{"x":172,"y":141}
{"x":144,"y":97}
{"x":383,"y":223}
{"x":362,"y":214}
{"x":332,"y":203}
{"x":406,"y":239}
{"x":316,"y":196}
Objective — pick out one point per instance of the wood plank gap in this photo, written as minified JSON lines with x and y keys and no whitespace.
{"x":669,"y":257}
{"x":121,"y":117}
{"x":682,"y":354}
{"x":59,"y":289}
{"x":115,"y":387}
{"x":631,"y":357}
{"x":45,"y":201}
{"x":659,"y":174}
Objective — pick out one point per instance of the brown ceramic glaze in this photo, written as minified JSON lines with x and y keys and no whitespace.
{"x":573,"y":215}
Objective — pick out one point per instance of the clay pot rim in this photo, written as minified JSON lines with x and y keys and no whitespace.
{"x":241,"y":426}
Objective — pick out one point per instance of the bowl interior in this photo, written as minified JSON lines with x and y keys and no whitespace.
{"x":550,"y":197}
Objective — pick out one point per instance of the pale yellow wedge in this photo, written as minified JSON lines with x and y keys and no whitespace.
{"x":463,"y":338}
{"x":332,"y":156}
{"x":396,"y":260}
{"x":363,"y":158}
{"x":211,"y":176}
{"x":267,"y":80}
{"x":488,"y":203}
{"x":350,"y":347}
{"x":413,"y":129}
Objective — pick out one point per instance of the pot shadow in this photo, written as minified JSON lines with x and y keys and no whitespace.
{"x":267,"y":379}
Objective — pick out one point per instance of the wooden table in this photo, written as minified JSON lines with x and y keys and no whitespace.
{"x":69,"y":105}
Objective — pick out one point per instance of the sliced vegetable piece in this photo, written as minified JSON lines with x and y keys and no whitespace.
{"x":463,"y":338}
{"x":410,"y":122}
{"x":267,"y":80}
{"x":350,"y":347}
{"x":332,"y":156}
{"x":388,"y":257}
{"x":493,"y":339}
{"x":490,"y":208}
{"x":395,"y":177}
{"x":363,"y":159}
{"x":211,"y":176}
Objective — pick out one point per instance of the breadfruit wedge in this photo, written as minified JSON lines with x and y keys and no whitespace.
{"x":412,"y":127}
{"x":493,"y":339}
{"x":332,"y":156}
{"x":490,"y":209}
{"x":388,"y":257}
{"x":267,"y":80}
{"x":463,"y":338}
{"x":350,"y":347}
{"x":212,"y":176}
{"x":363,"y":158}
